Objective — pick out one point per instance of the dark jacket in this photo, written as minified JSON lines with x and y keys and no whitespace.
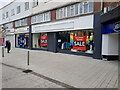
{"x":8,"y":45}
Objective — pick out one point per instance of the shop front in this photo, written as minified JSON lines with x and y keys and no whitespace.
{"x":80,"y":41}
{"x":39,"y":41}
{"x":111,"y":34}
{"x":22,"y":37}
{"x":71,"y":36}
{"x":111,"y":40}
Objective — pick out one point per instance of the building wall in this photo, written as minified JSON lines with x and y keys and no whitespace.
{"x":78,"y":23}
{"x":14,"y":5}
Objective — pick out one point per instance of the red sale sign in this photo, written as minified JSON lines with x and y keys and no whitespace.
{"x":79,"y":43}
{"x":43,"y":40}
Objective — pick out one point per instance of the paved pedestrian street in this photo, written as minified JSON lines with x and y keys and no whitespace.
{"x":57,"y":70}
{"x":13,"y":78}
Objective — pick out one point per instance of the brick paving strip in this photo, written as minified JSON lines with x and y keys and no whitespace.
{"x":46,"y":78}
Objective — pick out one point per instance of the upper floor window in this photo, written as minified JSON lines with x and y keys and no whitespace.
{"x":18,"y":9}
{"x":3,"y":16}
{"x":80,"y":8}
{"x":9,"y":25}
{"x":35,"y":3}
{"x":22,"y":22}
{"x":85,"y":5}
{"x":26,"y":5}
{"x":12,"y":12}
{"x":76,"y":9}
{"x":6,"y":14}
{"x":91,"y":5}
{"x":41,"y":18}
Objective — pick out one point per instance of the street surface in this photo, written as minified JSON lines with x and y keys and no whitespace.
{"x":57,"y":71}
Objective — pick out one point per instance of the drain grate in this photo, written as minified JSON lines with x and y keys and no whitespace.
{"x":27,"y":71}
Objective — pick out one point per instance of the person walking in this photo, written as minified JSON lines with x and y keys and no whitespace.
{"x":8,"y":46}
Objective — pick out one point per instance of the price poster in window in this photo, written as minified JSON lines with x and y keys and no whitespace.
{"x":79,"y":43}
{"x":43,"y":40}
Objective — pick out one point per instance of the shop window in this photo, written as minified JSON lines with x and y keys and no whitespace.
{"x":40,"y":40}
{"x":22,"y":40}
{"x":77,"y":41}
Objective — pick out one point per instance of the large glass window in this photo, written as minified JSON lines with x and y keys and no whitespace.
{"x":40,"y":40}
{"x":77,"y":41}
{"x":22,"y":40}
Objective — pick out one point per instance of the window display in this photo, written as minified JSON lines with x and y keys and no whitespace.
{"x":22,"y":40}
{"x":40,"y":40}
{"x":77,"y":41}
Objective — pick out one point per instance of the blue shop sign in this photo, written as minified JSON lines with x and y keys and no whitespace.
{"x":111,"y":28}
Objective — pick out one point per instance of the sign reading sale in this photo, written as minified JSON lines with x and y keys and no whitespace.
{"x":43,"y":40}
{"x":79,"y":43}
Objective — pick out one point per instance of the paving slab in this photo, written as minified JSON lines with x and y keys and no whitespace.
{"x":77,"y":71}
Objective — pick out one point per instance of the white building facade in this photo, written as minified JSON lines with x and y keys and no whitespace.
{"x":52,"y":26}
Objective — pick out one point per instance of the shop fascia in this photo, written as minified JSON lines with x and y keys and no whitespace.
{"x":22,"y":30}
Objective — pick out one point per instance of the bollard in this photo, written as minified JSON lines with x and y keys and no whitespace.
{"x":2,"y":51}
{"x":28,"y":58}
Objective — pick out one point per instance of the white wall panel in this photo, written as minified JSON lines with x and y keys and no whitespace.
{"x":110,"y":44}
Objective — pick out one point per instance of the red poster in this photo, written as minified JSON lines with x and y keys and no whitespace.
{"x":1,"y":41}
{"x":79,"y":43}
{"x":43,"y":40}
